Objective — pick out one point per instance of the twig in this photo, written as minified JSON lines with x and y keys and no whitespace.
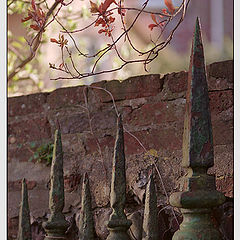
{"x":140,"y":143}
{"x":36,"y":43}
{"x":91,"y":130}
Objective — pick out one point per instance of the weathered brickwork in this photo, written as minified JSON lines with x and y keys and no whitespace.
{"x":152,"y":107}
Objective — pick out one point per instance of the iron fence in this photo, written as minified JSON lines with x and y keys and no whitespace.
{"x":196,"y":202}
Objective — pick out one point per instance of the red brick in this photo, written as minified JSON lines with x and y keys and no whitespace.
{"x":220,"y":101}
{"x":134,"y":87}
{"x":219,"y":84}
{"x":17,"y":185}
{"x":142,"y":86}
{"x":165,"y":138}
{"x":30,"y":130}
{"x":156,"y":113}
{"x":222,"y":70}
{"x":73,"y":122}
{"x":177,"y":82}
{"x":225,"y":185}
{"x":132,"y":145}
{"x":102,"y":120}
{"x":19,"y":154}
{"x":65,"y":97}
{"x":34,"y":103}
{"x":72,"y":182}
{"x":92,"y":143}
{"x":222,"y":132}
{"x":12,"y":227}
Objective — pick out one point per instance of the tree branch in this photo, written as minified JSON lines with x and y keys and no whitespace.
{"x":34,"y":45}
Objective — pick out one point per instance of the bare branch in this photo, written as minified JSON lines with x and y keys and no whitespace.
{"x":105,"y":21}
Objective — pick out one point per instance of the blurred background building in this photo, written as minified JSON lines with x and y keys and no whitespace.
{"x":217,"y":26}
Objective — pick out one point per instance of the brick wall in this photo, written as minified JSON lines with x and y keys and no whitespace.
{"x":152,"y":107}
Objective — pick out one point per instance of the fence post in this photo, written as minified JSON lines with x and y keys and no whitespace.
{"x":86,"y":224}
{"x":201,"y":195}
{"x":118,"y":223}
{"x":56,"y":225}
{"x":150,"y":220}
{"x":24,"y":229}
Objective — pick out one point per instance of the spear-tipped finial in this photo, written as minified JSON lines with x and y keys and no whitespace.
{"x":118,"y":223}
{"x":86,"y":224}
{"x":24,"y":229}
{"x":200,"y":195}
{"x":56,"y":225}
{"x":150,"y":220}
{"x":197,"y":138}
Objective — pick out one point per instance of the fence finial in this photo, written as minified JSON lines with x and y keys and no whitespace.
{"x":150,"y":220}
{"x":118,"y":223}
{"x":86,"y":224}
{"x":201,"y":195}
{"x":56,"y":225}
{"x":24,"y":229}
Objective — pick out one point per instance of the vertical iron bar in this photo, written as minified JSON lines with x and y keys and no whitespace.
{"x":24,"y":229}
{"x":200,"y":195}
{"x":86,"y":224}
{"x":56,"y":225}
{"x":150,"y":221}
{"x":118,"y":223}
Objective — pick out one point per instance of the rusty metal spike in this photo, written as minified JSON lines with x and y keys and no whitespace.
{"x":118,"y":223}
{"x":197,"y":138}
{"x":24,"y":229}
{"x":150,"y":220}
{"x":86,"y":224}
{"x":200,"y":196}
{"x":56,"y":225}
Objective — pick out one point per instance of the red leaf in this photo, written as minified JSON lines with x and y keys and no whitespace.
{"x":33,"y":5}
{"x":94,"y":7}
{"x":151,"y":26}
{"x":54,"y":40}
{"x":26,"y":19}
{"x":164,"y":11}
{"x":35,"y":27}
{"x":106,"y":4}
{"x":170,"y":6}
{"x":111,"y":19}
{"x":100,"y":21}
{"x":37,"y":16}
{"x":154,"y":18}
{"x":61,"y":65}
{"x":101,"y":31}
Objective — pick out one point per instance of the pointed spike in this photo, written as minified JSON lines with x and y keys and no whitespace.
{"x":200,"y":195}
{"x":118,"y":223}
{"x":118,"y":186}
{"x":150,"y":220}
{"x":56,"y":225}
{"x":24,"y":230}
{"x":58,"y":124}
{"x":57,"y":185}
{"x":86,"y":224}
{"x":86,"y":179}
{"x":197,"y":138}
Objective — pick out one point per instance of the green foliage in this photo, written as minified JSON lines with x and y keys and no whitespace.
{"x":30,"y":74}
{"x":42,"y":154}
{"x":16,"y":6}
